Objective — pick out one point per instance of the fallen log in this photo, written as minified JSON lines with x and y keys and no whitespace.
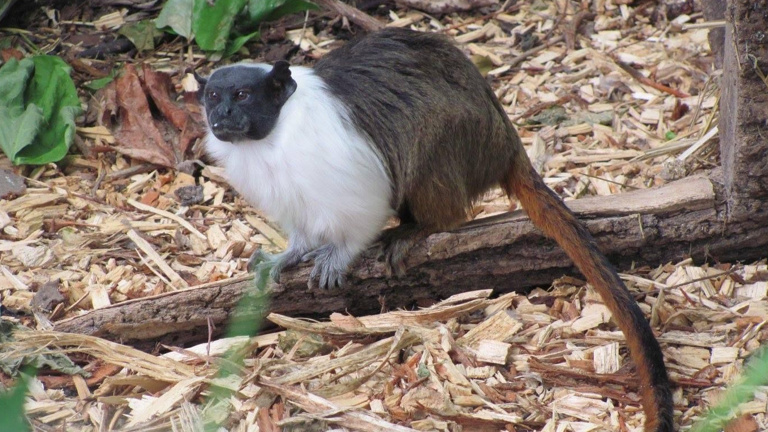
{"x":506,"y":253}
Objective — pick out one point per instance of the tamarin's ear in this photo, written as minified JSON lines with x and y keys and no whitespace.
{"x":201,"y":85}
{"x":200,"y":80}
{"x":279,"y":78}
{"x":281,"y":71}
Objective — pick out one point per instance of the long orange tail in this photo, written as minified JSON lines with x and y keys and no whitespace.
{"x":549,"y":214}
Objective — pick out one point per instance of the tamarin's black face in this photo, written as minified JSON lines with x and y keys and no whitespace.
{"x":243,"y":102}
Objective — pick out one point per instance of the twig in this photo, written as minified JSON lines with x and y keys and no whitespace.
{"x":99,"y":179}
{"x":757,"y":69}
{"x":128,"y":172}
{"x":536,"y":109}
{"x":524,"y":56}
{"x":609,"y":181}
{"x":178,"y":219}
{"x":647,"y":81}
{"x":513,"y":8}
{"x":176,"y":281}
{"x":442,"y":7}
{"x":573,"y":27}
{"x":353,"y":14}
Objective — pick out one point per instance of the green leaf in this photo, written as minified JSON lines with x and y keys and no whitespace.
{"x":13,"y":76}
{"x":141,"y":34}
{"x":292,"y":7}
{"x":670,"y":135}
{"x":177,"y":15}
{"x":18,"y":129}
{"x":237,"y":43}
{"x":213,"y":24}
{"x":99,"y":83}
{"x":270,"y":10}
{"x":38,"y":106}
{"x":52,"y":90}
{"x":259,"y":9}
{"x":483,"y":64}
{"x":752,"y":379}
{"x":246,"y":321}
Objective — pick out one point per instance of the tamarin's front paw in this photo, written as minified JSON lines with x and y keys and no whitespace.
{"x":257,"y":257}
{"x":280,"y":261}
{"x":330,"y":267}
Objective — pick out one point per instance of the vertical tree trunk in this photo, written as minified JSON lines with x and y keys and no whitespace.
{"x":744,"y":112}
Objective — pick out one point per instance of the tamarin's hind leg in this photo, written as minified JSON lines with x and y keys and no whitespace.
{"x":397,"y":241}
{"x":418,"y":219}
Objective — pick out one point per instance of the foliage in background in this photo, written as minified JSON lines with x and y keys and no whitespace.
{"x":5,"y":5}
{"x":142,"y":34}
{"x":12,"y":407}
{"x":38,"y":106}
{"x":12,"y":401}
{"x":755,"y":376}
{"x":246,"y":321}
{"x":269,"y":10}
{"x":100,"y":83}
{"x":226,"y":25}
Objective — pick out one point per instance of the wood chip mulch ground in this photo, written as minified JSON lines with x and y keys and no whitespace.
{"x":624,"y":101}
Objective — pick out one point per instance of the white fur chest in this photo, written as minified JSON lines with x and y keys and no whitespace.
{"x":314,"y":173}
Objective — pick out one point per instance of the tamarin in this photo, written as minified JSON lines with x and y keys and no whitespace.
{"x":398,"y":122}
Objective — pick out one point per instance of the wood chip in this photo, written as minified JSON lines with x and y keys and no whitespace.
{"x":155,"y":258}
{"x":723,"y":355}
{"x":499,"y":327}
{"x":492,"y":351}
{"x":168,"y":215}
{"x":267,"y":231}
{"x":606,"y":359}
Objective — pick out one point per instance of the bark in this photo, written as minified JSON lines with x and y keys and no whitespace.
{"x":714,"y":10}
{"x":367,"y":22}
{"x":744,"y":109}
{"x":506,"y":253}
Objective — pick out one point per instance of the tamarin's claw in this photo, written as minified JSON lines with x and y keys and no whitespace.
{"x":330,"y":268}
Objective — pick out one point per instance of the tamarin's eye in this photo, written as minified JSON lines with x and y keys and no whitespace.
{"x":213,"y":95}
{"x":241,"y":95}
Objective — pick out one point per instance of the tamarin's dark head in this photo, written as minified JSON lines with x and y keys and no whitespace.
{"x":243,"y":102}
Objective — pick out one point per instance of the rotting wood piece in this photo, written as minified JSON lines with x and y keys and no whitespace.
{"x":367,"y":22}
{"x":445,"y":6}
{"x":506,"y":253}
